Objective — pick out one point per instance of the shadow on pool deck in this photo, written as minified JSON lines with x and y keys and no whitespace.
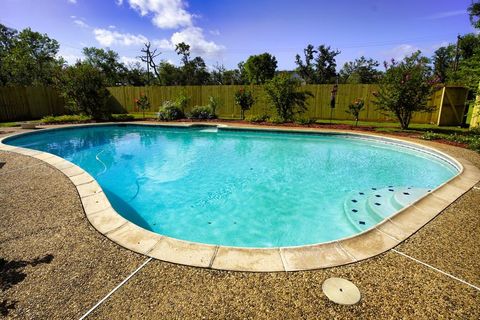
{"x":12,"y":273}
{"x":40,"y":213}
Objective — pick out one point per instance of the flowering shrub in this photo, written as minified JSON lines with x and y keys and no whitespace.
{"x":169,"y":111}
{"x":405,"y":88}
{"x":355,"y":107}
{"x":244,"y":98}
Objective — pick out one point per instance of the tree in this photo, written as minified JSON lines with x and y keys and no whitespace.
{"x":306,"y":69}
{"x":244,"y":98}
{"x":468,"y":73}
{"x":169,"y":75}
{"x":136,"y":75}
{"x":443,"y":59}
{"x":28,"y":57}
{"x":183,"y":49}
{"x":143,"y":103}
{"x":260,"y":68}
{"x":474,"y":13}
{"x":149,"y":59}
{"x":320,"y":68}
{"x":108,"y":62}
{"x":468,"y":44}
{"x":405,"y":88}
{"x":220,"y":75}
{"x":7,"y":36}
{"x":362,"y":70}
{"x":84,"y":88}
{"x":193,"y":71}
{"x":326,"y":64}
{"x":284,"y":94}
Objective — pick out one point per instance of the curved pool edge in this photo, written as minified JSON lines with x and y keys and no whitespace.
{"x":374,"y":241}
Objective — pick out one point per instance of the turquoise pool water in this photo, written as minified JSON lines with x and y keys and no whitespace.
{"x":246,"y":188}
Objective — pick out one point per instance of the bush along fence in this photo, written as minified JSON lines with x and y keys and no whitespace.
{"x":29,"y":103}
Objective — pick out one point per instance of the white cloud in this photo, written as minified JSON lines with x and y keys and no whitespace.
{"x":167,"y":14}
{"x":72,"y":1}
{"x":194,"y":37}
{"x":164,"y":44}
{"x":438,"y":45}
{"x":400,"y":52}
{"x":446,"y":14}
{"x":70,"y":55}
{"x":107,"y":38}
{"x":81,"y":23}
{"x":71,"y":58}
{"x":129,"y":60}
{"x":119,"y":2}
{"x":111,"y":26}
{"x":215,"y":32}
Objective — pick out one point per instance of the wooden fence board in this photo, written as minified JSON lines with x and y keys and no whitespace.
{"x":19,"y":103}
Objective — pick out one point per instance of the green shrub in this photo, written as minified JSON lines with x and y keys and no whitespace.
{"x":122,"y":117}
{"x":169,"y":111}
{"x":285,"y":95}
{"x":276,"y":119}
{"x":305,"y":121}
{"x":354,"y":109}
{"x":181,"y":101}
{"x":471,"y":139}
{"x":84,"y":88}
{"x":143,"y":103}
{"x":202,"y":113}
{"x":260,"y":118}
{"x":430,"y":136}
{"x":213,"y":103}
{"x":244,"y":98}
{"x":75,"y":118}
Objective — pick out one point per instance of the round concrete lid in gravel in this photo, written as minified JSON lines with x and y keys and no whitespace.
{"x":341,"y":291}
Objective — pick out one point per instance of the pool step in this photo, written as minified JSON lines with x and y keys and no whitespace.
{"x":405,"y":197}
{"x":211,"y":129}
{"x":366,"y":208}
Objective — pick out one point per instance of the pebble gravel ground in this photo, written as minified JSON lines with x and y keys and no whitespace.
{"x":55,"y":265}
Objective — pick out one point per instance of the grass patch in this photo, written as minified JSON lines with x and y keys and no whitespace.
{"x":122,"y":117}
{"x":139,"y":115}
{"x":471,"y":138}
{"x":395,"y":127}
{"x":74,"y":118}
{"x":9,"y":124}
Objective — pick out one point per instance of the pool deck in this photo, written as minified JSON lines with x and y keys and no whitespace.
{"x":42,"y":217}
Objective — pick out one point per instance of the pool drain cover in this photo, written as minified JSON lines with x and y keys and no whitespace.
{"x":341,"y":291}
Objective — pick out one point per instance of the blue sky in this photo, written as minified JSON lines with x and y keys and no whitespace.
{"x":228,"y":31}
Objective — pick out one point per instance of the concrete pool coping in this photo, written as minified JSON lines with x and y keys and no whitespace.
{"x":376,"y":240}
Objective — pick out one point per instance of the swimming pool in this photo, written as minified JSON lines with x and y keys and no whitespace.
{"x":248,"y":188}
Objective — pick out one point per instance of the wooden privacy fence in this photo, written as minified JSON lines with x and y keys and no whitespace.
{"x":23,"y":103}
{"x":448,"y":101}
